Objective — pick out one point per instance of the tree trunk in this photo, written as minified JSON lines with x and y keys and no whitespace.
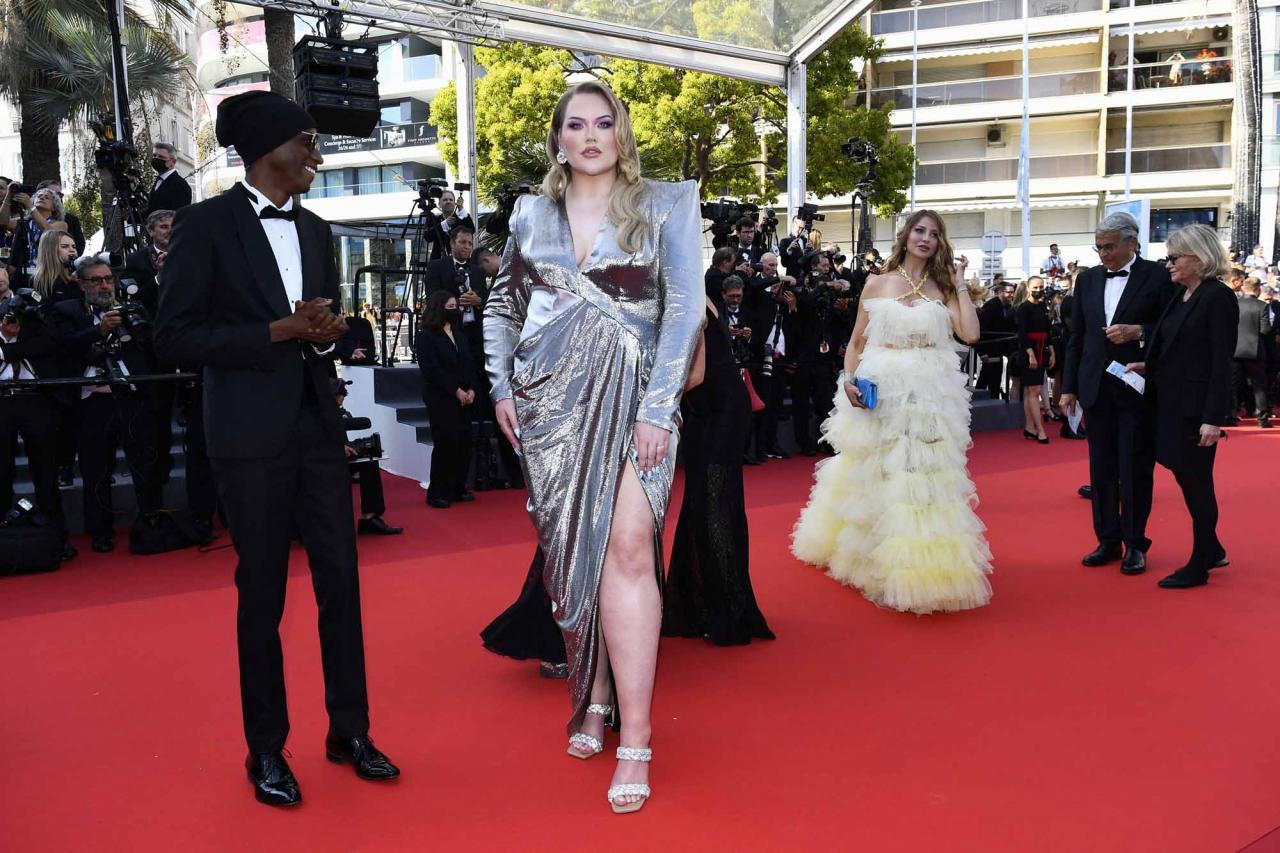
{"x":279,"y":31}
{"x":1246,"y":187}
{"x":39,"y":145}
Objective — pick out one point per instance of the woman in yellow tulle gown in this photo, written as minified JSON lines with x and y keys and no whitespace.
{"x":892,"y":512}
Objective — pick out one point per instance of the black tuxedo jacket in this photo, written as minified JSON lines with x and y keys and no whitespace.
{"x":37,"y":345}
{"x":223,"y":292}
{"x":1146,"y":295}
{"x":445,"y":366}
{"x":141,"y":267}
{"x":1254,"y":328}
{"x":441,"y":275}
{"x":173,"y":193}
{"x":1189,"y":365}
{"x":792,"y":249}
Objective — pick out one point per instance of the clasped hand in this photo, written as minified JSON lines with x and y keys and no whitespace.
{"x":312,"y":322}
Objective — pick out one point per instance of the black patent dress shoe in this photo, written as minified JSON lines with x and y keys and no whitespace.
{"x":465,"y":498}
{"x":103,"y":544}
{"x":1265,"y":423}
{"x":1101,"y":555}
{"x":439,"y":503}
{"x":1185,"y":578}
{"x":1134,"y":563}
{"x":69,"y":552}
{"x":369,"y":762}
{"x":1086,"y":492}
{"x":66,"y":480}
{"x":378,"y":527}
{"x":272,"y":780}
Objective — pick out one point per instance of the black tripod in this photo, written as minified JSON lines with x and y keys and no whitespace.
{"x":424,"y":225}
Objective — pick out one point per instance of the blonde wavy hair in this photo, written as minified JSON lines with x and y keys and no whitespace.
{"x":49,"y":267}
{"x":940,"y":266}
{"x":626,"y":201}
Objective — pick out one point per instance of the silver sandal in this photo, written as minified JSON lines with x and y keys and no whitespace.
{"x":631,"y":789}
{"x":583,"y":745}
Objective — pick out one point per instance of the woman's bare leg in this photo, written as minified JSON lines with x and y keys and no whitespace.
{"x":631,"y":615}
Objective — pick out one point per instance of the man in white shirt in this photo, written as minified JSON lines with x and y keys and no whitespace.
{"x":1053,"y":265}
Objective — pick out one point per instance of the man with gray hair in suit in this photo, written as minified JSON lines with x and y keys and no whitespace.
{"x":1116,"y":306}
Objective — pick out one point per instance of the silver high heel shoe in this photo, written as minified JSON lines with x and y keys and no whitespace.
{"x":583,"y":745}
{"x":631,"y":789}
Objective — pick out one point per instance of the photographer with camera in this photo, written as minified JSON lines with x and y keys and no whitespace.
{"x":42,"y":214}
{"x":101,"y":336}
{"x":143,"y":266}
{"x":749,"y":247}
{"x":795,"y":246}
{"x":29,"y":350}
{"x":362,"y":458}
{"x":723,"y":261}
{"x":823,"y":313}
{"x":774,"y":314}
{"x":10,"y":218}
{"x":452,"y":218}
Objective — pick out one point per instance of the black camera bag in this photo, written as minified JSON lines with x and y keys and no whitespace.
{"x":167,"y":530}
{"x":28,"y":548}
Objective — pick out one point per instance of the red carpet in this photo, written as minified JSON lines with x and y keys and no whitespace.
{"x":1082,"y":710}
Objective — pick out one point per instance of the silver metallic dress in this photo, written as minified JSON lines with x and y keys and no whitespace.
{"x":586,"y":353}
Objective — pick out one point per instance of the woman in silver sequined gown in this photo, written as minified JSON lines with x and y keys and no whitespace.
{"x":588,"y":344}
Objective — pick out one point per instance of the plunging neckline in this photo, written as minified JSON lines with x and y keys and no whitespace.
{"x":581,"y":266}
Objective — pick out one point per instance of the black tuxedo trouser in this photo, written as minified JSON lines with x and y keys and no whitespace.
{"x":371,"y":500}
{"x":35,"y":418}
{"x":808,"y":388}
{"x":1122,"y":461}
{"x":107,"y":422}
{"x":1202,"y":503}
{"x":201,"y":489}
{"x":308,"y":484}
{"x":1251,"y":374}
{"x":765,"y":421}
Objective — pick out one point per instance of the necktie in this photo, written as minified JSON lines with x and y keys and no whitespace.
{"x":1118,"y":274}
{"x":277,"y":213}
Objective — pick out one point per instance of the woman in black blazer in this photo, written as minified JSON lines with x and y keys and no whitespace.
{"x":448,"y":388}
{"x":1188,"y":367}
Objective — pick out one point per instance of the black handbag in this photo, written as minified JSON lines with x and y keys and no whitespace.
{"x":159,"y":532}
{"x":29,"y":547}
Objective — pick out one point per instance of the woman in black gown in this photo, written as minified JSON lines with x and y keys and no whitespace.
{"x":526,"y":629}
{"x":1035,"y":355}
{"x":708,"y":591}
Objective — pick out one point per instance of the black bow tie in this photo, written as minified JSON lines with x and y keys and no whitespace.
{"x":1118,"y":274}
{"x":276,"y":213}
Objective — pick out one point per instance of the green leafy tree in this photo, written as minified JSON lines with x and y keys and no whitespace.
{"x":728,"y":135}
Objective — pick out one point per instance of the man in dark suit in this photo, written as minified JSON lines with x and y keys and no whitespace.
{"x":794,"y":247}
{"x":452,"y":218}
{"x":996,"y":320}
{"x":253,"y":285}
{"x":170,"y":191}
{"x":749,"y":249}
{"x":1249,"y":369}
{"x":1115,"y":308}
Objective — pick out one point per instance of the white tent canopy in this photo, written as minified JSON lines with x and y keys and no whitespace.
{"x":772,"y":46}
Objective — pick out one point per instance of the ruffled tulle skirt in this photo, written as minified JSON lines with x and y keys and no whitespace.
{"x":892,"y":513}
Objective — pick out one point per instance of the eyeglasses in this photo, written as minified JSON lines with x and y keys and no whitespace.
{"x":313,"y":139}
{"x":99,"y":279}
{"x":1173,"y":259}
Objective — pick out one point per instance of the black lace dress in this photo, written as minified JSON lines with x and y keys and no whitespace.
{"x":526,"y":629}
{"x":708,"y":589}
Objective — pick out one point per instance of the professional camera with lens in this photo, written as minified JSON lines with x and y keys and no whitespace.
{"x":19,"y":304}
{"x":809,"y":214}
{"x":134,"y":320}
{"x":724,"y":215}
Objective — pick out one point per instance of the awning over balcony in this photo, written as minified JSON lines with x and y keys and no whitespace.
{"x":1011,"y":204}
{"x":1174,"y":26}
{"x":1012,"y":46}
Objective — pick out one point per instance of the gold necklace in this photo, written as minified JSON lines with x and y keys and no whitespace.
{"x":917,"y":287}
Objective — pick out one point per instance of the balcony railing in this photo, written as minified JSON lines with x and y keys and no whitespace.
{"x":411,"y":69}
{"x":1006,"y":169}
{"x":933,"y":17}
{"x":1189,"y":159}
{"x":1161,"y":75}
{"x":1125,"y":4}
{"x":385,"y":137}
{"x":991,"y":89}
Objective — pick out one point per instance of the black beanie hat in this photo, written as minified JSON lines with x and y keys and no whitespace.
{"x":259,"y":122}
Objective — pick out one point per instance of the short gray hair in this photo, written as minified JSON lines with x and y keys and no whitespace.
{"x":1118,"y":223}
{"x":1203,"y":243}
{"x":165,"y":146}
{"x":156,"y":216}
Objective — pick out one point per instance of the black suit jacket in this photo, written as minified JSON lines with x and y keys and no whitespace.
{"x":77,"y":333}
{"x":442,"y":275}
{"x":173,"y":193}
{"x":791,"y":250}
{"x":1189,"y":370}
{"x":359,"y":336}
{"x":1089,"y":352}
{"x":141,"y":267}
{"x":1254,"y":328}
{"x":464,"y":221}
{"x":37,"y":345}
{"x":220,"y":291}
{"x":444,"y":366}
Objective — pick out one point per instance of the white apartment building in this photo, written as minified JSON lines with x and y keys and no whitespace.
{"x":968,"y":110}
{"x":361,"y":179}
{"x":1269,"y":34}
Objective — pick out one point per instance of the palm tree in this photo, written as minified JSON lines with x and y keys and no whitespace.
{"x":1246,"y":188}
{"x":40,"y":70}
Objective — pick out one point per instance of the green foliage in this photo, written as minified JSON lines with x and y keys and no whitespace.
{"x":728,"y":135}
{"x":85,"y":201}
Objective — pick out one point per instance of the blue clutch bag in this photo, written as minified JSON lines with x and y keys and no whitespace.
{"x":867,"y":390}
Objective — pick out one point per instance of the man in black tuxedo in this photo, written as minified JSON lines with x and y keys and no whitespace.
{"x":170,"y":191}
{"x":466,"y":281}
{"x":143,"y":266}
{"x":794,"y":247}
{"x":253,"y":284}
{"x":1249,"y":369}
{"x":749,"y":249}
{"x":1115,"y":308}
{"x":996,"y":320}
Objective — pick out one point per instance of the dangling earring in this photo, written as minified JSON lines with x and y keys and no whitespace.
{"x":562,"y":157}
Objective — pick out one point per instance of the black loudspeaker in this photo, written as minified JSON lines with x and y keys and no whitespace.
{"x":336,"y":80}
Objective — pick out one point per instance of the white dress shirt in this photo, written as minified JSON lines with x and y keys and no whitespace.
{"x":282,"y":235}
{"x":161,"y":177}
{"x":1115,"y":290}
{"x":7,"y":369}
{"x":93,"y":371}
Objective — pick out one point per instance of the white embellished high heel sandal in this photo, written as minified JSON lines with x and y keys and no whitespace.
{"x":631,"y":789}
{"x":583,"y":745}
